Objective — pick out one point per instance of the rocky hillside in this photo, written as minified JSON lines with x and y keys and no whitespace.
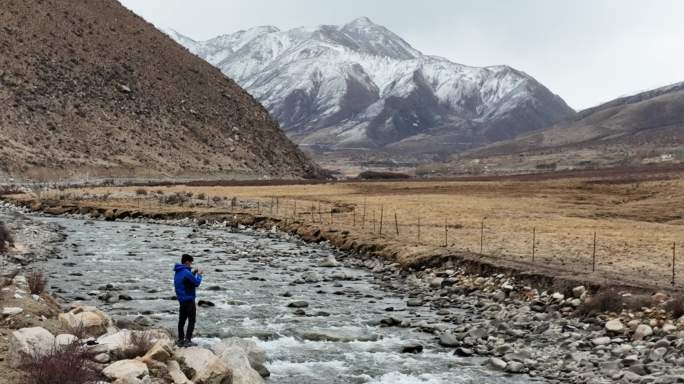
{"x":89,"y":88}
{"x":361,"y":85}
{"x":643,"y":128}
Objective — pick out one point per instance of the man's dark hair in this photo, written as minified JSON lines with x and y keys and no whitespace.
{"x":185,"y":258}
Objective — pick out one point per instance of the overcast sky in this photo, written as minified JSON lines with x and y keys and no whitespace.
{"x":587,"y":51}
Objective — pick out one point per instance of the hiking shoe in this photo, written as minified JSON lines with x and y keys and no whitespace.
{"x":180,"y":343}
{"x":188,"y":343}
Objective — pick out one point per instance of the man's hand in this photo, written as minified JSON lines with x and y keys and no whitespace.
{"x":198,"y":272}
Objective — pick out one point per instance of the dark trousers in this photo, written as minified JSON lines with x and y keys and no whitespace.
{"x":188,"y":312}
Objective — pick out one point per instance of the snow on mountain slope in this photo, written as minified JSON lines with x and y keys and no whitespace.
{"x":361,"y":85}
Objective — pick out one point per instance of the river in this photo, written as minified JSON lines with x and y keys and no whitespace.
{"x":251,"y":277}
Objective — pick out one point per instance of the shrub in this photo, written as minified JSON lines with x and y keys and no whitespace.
{"x":176,"y":198}
{"x":64,"y":365}
{"x":216,"y":199}
{"x":375,"y":175}
{"x":141,"y":191}
{"x":37,"y":281}
{"x":6,"y":238}
{"x":138,"y":343}
{"x":606,"y":300}
{"x":201,"y":196}
{"x":676,"y":306}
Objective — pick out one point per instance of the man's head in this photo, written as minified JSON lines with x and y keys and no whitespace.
{"x":187,"y":260}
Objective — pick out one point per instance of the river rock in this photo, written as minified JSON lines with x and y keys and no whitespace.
{"x":448,"y":340}
{"x":126,"y":369}
{"x":160,"y":351}
{"x":236,"y":359}
{"x":26,"y":343}
{"x":255,"y":354}
{"x":90,"y":319}
{"x":578,"y":292}
{"x":515,"y":367}
{"x":11,"y":311}
{"x":414,"y":302}
{"x":340,"y":335}
{"x":497,"y":363}
{"x":311,"y":277}
{"x":412,"y":348}
{"x":641,"y":331}
{"x":176,"y":374}
{"x":598,"y":341}
{"x":298,"y":304}
{"x":118,"y":344}
{"x":207,"y":368}
{"x":65,"y":340}
{"x":615,"y":326}
{"x":329,"y":262}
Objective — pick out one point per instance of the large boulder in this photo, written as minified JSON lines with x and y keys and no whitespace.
{"x":27,"y":343}
{"x":126,"y":369}
{"x":255,"y":354}
{"x":236,"y":359}
{"x":88,"y":319}
{"x":203,"y":366}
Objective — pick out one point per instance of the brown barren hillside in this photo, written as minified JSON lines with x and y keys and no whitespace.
{"x":87,"y":88}
{"x":641,"y":129}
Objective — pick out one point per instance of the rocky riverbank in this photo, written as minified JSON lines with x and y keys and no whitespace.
{"x":541,"y":330}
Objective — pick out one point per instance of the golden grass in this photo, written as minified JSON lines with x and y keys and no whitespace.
{"x":636,"y":222}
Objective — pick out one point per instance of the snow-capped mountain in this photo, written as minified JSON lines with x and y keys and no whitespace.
{"x":361,"y":85}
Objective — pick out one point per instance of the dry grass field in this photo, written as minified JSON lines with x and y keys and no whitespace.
{"x":636,"y":220}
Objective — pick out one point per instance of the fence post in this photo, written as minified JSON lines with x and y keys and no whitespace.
{"x":259,"y":208}
{"x":363,"y":217}
{"x":277,"y":205}
{"x":419,"y":229}
{"x":373,"y":221}
{"x":313,"y":219}
{"x":446,"y":233}
{"x":593,"y":256}
{"x":294,"y":215}
{"x":534,"y":241}
{"x":320,"y":215}
{"x":396,"y":222}
{"x":354,"y":216}
{"x":674,"y":252}
{"x":331,"y":215}
{"x":381,"y":215}
{"x":482,"y":237}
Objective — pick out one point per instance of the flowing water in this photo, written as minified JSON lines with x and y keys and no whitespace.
{"x":249,"y":277}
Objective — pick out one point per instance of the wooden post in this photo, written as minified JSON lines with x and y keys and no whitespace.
{"x":354,"y":214}
{"x":259,"y":208}
{"x":482,"y":237}
{"x":277,"y":205}
{"x":593,"y":256}
{"x":396,"y":222}
{"x":294,"y":214}
{"x":446,"y":233}
{"x":534,"y":241}
{"x":320,"y":215}
{"x":674,"y":253}
{"x":419,"y":229}
{"x":363,"y":217}
{"x":313,"y":218}
{"x":373,"y":221}
{"x":381,"y":215}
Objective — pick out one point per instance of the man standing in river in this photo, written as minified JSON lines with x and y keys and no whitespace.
{"x":185,"y":281}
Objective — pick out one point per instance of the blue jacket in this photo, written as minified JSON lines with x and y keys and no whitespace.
{"x":185,"y":283}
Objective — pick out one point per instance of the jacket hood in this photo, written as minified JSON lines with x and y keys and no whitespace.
{"x":180,"y":266}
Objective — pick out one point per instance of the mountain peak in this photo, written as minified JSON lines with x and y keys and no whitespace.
{"x":362,"y":21}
